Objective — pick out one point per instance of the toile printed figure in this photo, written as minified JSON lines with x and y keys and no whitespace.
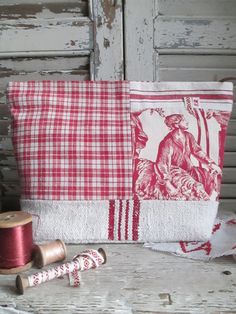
{"x":173,"y":175}
{"x":174,"y":159}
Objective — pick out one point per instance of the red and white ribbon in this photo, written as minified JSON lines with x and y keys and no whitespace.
{"x":84,"y":261}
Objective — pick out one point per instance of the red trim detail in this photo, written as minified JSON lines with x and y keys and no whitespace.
{"x":136,"y":213}
{"x":181,"y":90}
{"x":120,"y":219}
{"x":198,"y":127}
{"x":207,"y":132}
{"x":180,"y":97}
{"x":126,"y":219}
{"x":111,"y":220}
{"x":202,"y":247}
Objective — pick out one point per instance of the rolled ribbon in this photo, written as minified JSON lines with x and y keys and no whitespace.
{"x":83,"y":261}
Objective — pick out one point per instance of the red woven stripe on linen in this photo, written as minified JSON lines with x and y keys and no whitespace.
{"x":72,"y":139}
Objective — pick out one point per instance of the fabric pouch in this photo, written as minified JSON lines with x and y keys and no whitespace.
{"x":120,"y":161}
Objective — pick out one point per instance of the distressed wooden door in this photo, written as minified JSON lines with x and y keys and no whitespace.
{"x":56,"y":40}
{"x":185,"y":40}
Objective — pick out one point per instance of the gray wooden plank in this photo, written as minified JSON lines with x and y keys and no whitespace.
{"x":195,"y":67}
{"x":229,"y":175}
{"x":145,"y":281}
{"x":228,"y":205}
{"x":228,"y":190}
{"x":4,"y":109}
{"x":9,"y":189}
{"x":230,"y":159}
{"x":7,"y":159}
{"x":197,"y":7}
{"x":232,"y":127}
{"x":182,"y":74}
{"x":139,"y":53}
{"x":9,"y":175}
{"x":194,"y":33}
{"x":5,"y":144}
{"x":230,"y":143}
{"x":50,"y":68}
{"x":46,"y":9}
{"x":107,"y":59}
{"x":57,"y":34}
{"x":197,"y":61}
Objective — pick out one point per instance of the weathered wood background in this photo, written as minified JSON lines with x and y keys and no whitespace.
{"x":56,"y":40}
{"x":168,"y":40}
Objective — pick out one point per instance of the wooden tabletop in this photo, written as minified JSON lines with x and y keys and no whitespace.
{"x":134,"y":280}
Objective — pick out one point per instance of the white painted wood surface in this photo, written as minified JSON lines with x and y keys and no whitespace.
{"x":140,"y":58}
{"x":107,"y":59}
{"x":198,"y":33}
{"x":44,"y":27}
{"x":134,"y":280}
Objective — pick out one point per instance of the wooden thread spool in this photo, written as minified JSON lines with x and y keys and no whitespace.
{"x":49,"y":253}
{"x":16,"y":240}
{"x":22,"y":283}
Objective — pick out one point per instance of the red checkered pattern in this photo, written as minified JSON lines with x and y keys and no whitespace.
{"x":72,"y":139}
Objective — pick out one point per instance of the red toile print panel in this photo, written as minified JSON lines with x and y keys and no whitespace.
{"x":178,"y":142}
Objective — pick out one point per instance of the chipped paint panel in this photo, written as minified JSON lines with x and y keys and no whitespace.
{"x":15,"y":10}
{"x":46,"y":35}
{"x":109,"y":11}
{"x":197,"y":61}
{"x":54,"y":68}
{"x":107,"y":62}
{"x":139,"y":52}
{"x":197,"y":33}
{"x":197,"y":7}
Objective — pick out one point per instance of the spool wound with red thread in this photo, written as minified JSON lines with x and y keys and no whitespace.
{"x":16,"y":242}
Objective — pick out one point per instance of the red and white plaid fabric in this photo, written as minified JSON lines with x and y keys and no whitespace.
{"x":72,"y":139}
